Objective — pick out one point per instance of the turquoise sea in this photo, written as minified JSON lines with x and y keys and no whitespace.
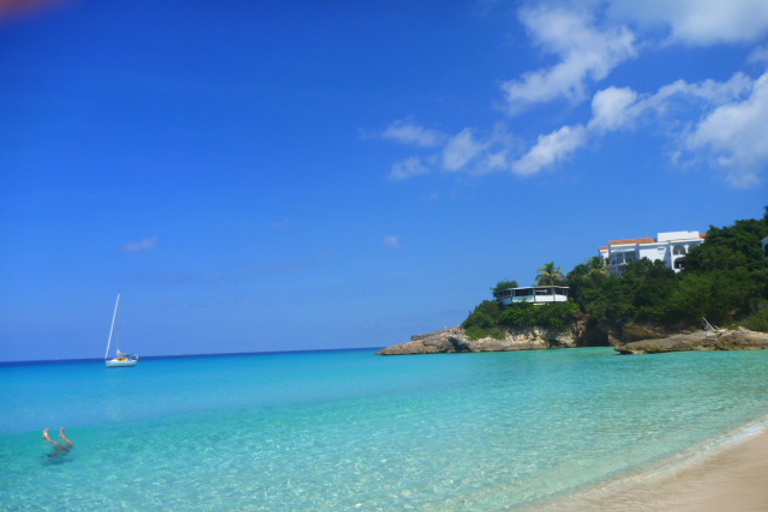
{"x":350,"y":430}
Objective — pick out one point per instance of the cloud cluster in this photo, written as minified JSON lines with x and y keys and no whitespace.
{"x":729,"y":135}
{"x":408,"y":132}
{"x":719,"y":123}
{"x":733,"y":136}
{"x":586,"y":53}
{"x":697,"y":22}
{"x":470,"y":151}
{"x":550,"y":149}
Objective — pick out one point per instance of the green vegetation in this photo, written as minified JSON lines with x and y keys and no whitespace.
{"x":488,"y":319}
{"x":549,"y":274}
{"x":725,"y":279}
{"x":504,"y":284}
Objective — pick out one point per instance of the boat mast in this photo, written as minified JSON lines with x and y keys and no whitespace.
{"x":117,"y":327}
{"x":112,"y":329}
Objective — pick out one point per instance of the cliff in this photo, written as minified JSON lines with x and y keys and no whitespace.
{"x":737,"y":339}
{"x":454,"y":340}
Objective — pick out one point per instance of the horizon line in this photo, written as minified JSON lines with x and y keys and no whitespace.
{"x":184,"y":356}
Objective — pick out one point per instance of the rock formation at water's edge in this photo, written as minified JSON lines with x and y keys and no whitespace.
{"x":455,"y":339}
{"x":736,"y":339}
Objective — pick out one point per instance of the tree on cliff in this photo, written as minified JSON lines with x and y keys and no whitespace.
{"x":550,"y":275}
{"x":597,"y":265}
{"x":490,"y":320}
{"x":502,"y":285}
{"x":730,"y":247}
{"x":725,"y":279}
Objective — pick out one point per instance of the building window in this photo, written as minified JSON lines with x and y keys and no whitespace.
{"x":679,"y":249}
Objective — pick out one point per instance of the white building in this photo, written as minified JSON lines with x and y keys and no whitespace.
{"x":536,"y":294}
{"x":670,"y":248}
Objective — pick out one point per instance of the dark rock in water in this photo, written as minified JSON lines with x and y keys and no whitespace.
{"x":455,"y":340}
{"x":737,"y":339}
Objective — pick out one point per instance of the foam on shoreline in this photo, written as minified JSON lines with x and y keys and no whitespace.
{"x":729,"y":473}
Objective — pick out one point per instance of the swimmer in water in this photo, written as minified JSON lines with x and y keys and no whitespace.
{"x":60,"y":449}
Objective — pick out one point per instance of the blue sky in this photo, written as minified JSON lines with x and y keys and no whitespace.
{"x":283,"y":175}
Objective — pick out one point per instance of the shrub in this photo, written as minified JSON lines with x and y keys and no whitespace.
{"x":557,"y":317}
{"x":485,"y":316}
{"x":518,"y":315}
{"x":504,"y":284}
{"x":758,"y":321}
{"x":490,"y":320}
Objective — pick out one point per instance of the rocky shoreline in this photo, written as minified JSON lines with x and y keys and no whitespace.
{"x":455,"y":340}
{"x":736,"y":339}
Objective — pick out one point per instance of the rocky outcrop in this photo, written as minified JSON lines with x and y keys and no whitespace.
{"x":737,"y":339}
{"x":454,"y":340}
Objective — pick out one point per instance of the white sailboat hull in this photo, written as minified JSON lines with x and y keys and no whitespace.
{"x":114,"y":363}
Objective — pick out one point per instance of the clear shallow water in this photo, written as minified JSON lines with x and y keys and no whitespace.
{"x":354,"y":431}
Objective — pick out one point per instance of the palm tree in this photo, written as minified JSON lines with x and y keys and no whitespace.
{"x":597,"y":265}
{"x":549,"y":275}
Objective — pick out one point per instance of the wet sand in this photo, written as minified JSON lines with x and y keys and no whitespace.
{"x":734,"y":479}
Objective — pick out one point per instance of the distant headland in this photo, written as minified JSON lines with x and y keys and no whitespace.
{"x":455,"y":340}
{"x":639,"y":295}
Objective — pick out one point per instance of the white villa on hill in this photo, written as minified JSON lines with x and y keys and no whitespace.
{"x":537,"y":295}
{"x":667,"y":247}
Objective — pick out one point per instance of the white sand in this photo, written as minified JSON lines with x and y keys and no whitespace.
{"x":733,"y":480}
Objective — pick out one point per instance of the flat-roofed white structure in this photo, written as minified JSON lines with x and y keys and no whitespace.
{"x":670,"y":248}
{"x":535,"y":294}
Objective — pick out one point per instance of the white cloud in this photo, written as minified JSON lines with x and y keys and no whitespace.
{"x":611,"y":108}
{"x":497,"y":161}
{"x":468,"y":151}
{"x":586,"y":53}
{"x":710,"y":92}
{"x":550,"y":149}
{"x":480,"y":153}
{"x":407,"y":169}
{"x":721,"y":123}
{"x":407,"y":132}
{"x":617,"y":108}
{"x":393,"y":241}
{"x":733,"y":136}
{"x":698,"y":22}
{"x":461,"y":149}
{"x":141,"y":245}
{"x":729,"y":130}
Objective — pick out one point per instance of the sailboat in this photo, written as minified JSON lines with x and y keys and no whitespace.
{"x":121,"y":359}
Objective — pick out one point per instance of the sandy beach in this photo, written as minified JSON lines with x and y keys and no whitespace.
{"x":734,"y":479}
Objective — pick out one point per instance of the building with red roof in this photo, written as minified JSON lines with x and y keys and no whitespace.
{"x":670,"y":248}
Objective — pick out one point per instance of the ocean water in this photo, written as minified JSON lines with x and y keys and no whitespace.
{"x":349,"y":430}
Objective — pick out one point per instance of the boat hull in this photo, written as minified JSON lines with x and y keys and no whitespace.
{"x":114,"y":363}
